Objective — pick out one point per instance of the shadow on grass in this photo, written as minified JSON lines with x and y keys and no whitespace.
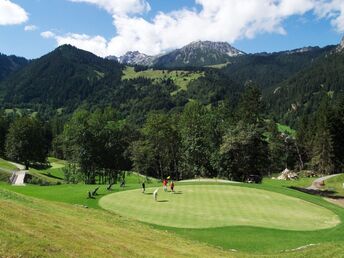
{"x":179,"y":192}
{"x":323,"y":193}
{"x":163,"y":201}
{"x":51,"y":176}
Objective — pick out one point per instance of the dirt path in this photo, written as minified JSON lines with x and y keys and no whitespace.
{"x":316,"y":185}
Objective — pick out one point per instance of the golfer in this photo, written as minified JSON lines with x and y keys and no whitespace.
{"x":143,"y":187}
{"x":155,"y":194}
{"x":172,"y":186}
{"x":164,"y":184}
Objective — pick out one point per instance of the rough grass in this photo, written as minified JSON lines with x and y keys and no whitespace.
{"x":180,"y":78}
{"x":5,"y":165}
{"x":206,"y":206}
{"x":335,"y":184}
{"x":36,"y":228}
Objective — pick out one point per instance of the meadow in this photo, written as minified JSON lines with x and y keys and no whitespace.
{"x":180,"y":78}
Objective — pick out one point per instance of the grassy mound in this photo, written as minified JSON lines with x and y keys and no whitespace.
{"x":210,"y":206}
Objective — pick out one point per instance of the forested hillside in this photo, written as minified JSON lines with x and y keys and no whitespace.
{"x":10,"y":64}
{"x":301,"y":94}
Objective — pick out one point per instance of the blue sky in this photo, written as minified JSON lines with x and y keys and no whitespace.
{"x":101,"y":27}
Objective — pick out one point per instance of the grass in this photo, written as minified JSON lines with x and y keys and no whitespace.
{"x":248,"y":240}
{"x":5,"y":165}
{"x":335,"y":184}
{"x":286,"y":129}
{"x":180,"y":78}
{"x":75,"y":194}
{"x":205,"y":206}
{"x":37,"y":228}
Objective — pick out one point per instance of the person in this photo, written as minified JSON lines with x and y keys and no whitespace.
{"x":155,"y":194}
{"x":122,"y":183}
{"x":164,"y":183}
{"x":143,"y":187}
{"x":172,"y":186}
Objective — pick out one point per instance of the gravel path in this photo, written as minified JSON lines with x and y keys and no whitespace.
{"x":316,"y":185}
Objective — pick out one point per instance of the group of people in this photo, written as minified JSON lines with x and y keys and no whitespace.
{"x":164,"y":185}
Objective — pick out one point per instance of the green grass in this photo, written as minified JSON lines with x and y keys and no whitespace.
{"x":5,"y":165}
{"x":205,"y":206}
{"x":335,"y":184}
{"x":286,"y":129}
{"x":248,"y":240}
{"x":218,"y":66}
{"x":180,"y":78}
{"x":36,"y":228}
{"x":75,"y":194}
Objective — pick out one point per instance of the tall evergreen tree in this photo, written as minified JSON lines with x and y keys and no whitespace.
{"x":323,"y":152}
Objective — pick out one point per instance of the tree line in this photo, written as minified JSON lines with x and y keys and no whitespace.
{"x":226,"y":141}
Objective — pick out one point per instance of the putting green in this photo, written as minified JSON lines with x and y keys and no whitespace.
{"x":206,"y":206}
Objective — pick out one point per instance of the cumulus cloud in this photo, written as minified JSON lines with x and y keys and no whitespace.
{"x":119,"y":7}
{"x":215,"y":20}
{"x":11,"y":13}
{"x":48,"y":34}
{"x":96,"y":45}
{"x":30,"y":28}
{"x":333,"y":10}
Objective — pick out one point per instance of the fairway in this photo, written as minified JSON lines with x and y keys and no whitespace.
{"x":209,"y":206}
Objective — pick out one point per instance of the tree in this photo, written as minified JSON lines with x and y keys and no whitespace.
{"x":4,"y":124}
{"x":25,"y":142}
{"x":196,"y":141}
{"x":244,"y":152}
{"x":323,"y":152}
{"x":157,"y":153}
{"x":251,"y":107}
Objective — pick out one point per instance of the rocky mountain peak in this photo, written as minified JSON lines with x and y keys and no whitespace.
{"x":136,"y":58}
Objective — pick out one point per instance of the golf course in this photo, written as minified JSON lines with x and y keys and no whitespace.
{"x":201,"y":219}
{"x":211,"y":206}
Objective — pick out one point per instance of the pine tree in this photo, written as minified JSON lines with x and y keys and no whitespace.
{"x":323,"y":152}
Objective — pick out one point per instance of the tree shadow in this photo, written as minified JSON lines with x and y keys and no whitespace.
{"x":163,"y":201}
{"x":148,"y":193}
{"x":323,"y":193}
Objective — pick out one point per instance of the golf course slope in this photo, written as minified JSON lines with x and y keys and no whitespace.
{"x":210,"y":206}
{"x":35,"y":228}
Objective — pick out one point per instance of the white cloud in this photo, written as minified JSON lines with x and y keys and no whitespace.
{"x":119,"y":7}
{"x":48,"y":34}
{"x":11,"y":13}
{"x":333,"y":10}
{"x":96,"y":45}
{"x":30,"y":28}
{"x":215,"y":20}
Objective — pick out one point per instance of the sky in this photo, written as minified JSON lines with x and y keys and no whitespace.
{"x":32,"y":28}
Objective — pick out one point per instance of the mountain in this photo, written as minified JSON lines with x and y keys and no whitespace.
{"x":10,"y":64}
{"x":63,"y":77}
{"x":269,"y":69}
{"x":136,"y":58}
{"x":198,"y":54}
{"x":340,"y":47}
{"x":303,"y":92}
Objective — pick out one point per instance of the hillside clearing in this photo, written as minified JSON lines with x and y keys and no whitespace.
{"x":180,"y":78}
